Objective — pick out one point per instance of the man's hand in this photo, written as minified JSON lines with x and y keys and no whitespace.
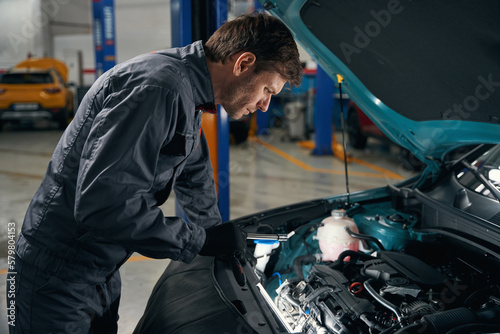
{"x":224,"y":239}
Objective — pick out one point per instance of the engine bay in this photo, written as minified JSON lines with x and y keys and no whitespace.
{"x":393,"y":293}
{"x":390,"y":273}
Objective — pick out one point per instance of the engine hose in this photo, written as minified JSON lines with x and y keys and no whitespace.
{"x":302,"y":260}
{"x":382,"y":300}
{"x":441,"y":322}
{"x":354,"y":255}
{"x":370,"y":323}
{"x":337,"y":264}
{"x":466,"y":329}
{"x":365,"y":237}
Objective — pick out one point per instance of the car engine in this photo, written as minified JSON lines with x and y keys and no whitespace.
{"x":423,"y":283}
{"x":394,"y":293}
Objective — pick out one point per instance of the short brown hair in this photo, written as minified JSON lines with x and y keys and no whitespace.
{"x":266,"y":37}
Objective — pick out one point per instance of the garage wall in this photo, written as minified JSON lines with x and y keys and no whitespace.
{"x":65,"y":48}
{"x":15,"y":39}
{"x":62,"y":28}
{"x":141,"y":27}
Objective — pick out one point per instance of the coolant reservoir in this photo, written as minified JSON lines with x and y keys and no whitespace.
{"x":333,"y":238}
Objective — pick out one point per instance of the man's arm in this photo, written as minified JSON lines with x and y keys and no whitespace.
{"x":195,"y":188}
{"x":114,"y":197}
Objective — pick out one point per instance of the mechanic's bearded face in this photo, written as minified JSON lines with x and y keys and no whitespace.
{"x":250,"y":92}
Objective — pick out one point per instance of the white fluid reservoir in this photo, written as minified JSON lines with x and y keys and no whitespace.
{"x":332,"y":235}
{"x":263,"y":250}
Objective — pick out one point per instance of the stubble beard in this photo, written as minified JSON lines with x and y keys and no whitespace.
{"x":238,"y":98}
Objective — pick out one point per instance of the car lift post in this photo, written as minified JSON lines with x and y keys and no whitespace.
{"x":103,"y":12}
{"x":195,"y":20}
{"x":323,"y":105}
{"x":222,"y":134}
{"x":262,"y":117}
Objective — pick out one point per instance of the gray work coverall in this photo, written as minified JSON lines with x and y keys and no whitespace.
{"x":135,"y":137}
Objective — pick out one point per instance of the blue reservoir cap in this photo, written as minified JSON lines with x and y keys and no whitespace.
{"x":266,"y":242}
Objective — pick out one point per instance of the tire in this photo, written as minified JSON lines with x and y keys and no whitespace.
{"x":356,"y":138}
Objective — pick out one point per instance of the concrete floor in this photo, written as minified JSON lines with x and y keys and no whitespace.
{"x":265,"y":173}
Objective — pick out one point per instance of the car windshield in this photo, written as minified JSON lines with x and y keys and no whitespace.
{"x":26,"y":78}
{"x":483,"y":173}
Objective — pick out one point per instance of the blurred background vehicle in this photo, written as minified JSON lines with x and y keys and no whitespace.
{"x":360,"y":127}
{"x":36,"y":88}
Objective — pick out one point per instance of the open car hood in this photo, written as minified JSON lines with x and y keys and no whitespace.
{"x":426,"y":72}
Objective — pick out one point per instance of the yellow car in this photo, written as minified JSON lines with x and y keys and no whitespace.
{"x":36,"y":88}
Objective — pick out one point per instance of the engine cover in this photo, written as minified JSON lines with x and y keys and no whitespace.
{"x":392,"y":265}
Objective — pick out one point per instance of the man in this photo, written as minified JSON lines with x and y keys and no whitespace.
{"x":135,"y":137}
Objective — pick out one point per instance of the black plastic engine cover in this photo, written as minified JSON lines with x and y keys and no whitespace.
{"x":391,"y":265}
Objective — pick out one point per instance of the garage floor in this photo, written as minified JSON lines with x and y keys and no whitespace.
{"x":266,"y":172}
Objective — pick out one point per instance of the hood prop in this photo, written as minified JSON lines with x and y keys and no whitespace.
{"x":340,"y":78}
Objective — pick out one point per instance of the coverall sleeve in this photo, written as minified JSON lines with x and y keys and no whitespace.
{"x":114,"y":197}
{"x":195,"y":188}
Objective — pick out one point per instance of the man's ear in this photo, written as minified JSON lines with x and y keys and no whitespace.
{"x":243,"y":62}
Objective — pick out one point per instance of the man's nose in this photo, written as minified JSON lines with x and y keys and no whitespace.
{"x":263,"y":104}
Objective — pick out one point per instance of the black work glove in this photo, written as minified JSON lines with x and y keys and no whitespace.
{"x":224,"y":239}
